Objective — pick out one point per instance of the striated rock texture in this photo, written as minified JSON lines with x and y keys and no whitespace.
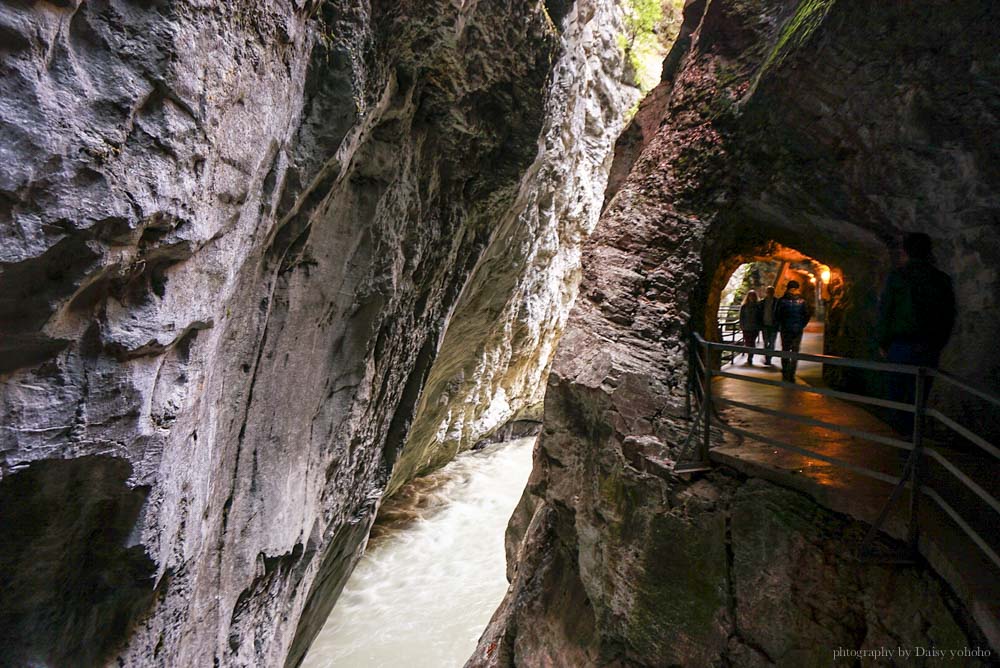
{"x":233,"y":235}
{"x":496,"y":353}
{"x":826,"y":126}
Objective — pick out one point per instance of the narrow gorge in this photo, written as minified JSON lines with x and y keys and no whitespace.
{"x":265,"y":263}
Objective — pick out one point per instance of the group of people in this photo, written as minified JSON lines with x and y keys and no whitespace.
{"x":770,"y":316}
{"x":916,"y":317}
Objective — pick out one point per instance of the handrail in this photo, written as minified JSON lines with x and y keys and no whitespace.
{"x":982,"y":394}
{"x":964,"y":479}
{"x":963,"y":525}
{"x":912,"y":476}
{"x":869,"y":365}
{"x":964,"y":432}
{"x":836,"y":394}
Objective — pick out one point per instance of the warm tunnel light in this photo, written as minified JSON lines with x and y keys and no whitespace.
{"x":824,"y":274}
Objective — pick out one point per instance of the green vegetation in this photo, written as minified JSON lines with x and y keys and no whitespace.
{"x":749,"y":276}
{"x":641,"y":17}
{"x":650,"y":29}
{"x":735,"y":288}
{"x":798,"y":30}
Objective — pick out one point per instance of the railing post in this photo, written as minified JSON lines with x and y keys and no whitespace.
{"x":708,"y":406}
{"x":690,"y":378}
{"x":916,"y":471}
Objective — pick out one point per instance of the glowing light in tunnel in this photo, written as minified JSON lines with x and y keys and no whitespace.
{"x":824,"y":274}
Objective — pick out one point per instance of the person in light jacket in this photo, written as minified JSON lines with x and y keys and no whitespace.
{"x":750,"y":323}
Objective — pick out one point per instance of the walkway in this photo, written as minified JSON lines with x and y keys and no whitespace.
{"x":954,"y":556}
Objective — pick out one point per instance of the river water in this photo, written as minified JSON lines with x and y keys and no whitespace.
{"x":433,"y":572}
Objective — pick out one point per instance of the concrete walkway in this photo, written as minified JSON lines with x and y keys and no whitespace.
{"x":953,"y":555}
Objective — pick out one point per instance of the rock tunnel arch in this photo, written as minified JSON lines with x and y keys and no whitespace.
{"x":861,"y":257}
{"x":858,"y":262}
{"x":772,"y":265}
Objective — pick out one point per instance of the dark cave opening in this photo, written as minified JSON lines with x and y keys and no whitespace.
{"x":859,"y":264}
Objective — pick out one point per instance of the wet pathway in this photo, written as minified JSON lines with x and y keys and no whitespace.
{"x":942,"y":542}
{"x":824,"y":441}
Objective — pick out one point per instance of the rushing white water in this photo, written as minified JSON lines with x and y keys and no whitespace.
{"x":434,"y":569}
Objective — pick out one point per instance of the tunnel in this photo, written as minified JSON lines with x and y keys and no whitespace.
{"x":772,"y":266}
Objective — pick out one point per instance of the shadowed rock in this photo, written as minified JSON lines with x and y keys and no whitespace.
{"x":825,"y":126}
{"x":73,"y":582}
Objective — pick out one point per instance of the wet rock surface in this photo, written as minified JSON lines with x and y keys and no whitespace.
{"x":233,"y":237}
{"x":501,"y":338}
{"x":728,"y":570}
{"x":816,"y":125}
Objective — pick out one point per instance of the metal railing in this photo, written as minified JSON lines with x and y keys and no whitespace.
{"x":729,"y":329}
{"x":913,"y":475}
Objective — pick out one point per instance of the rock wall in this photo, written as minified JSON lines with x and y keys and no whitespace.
{"x":728,"y":571}
{"x":496,"y":353}
{"x":233,"y":236}
{"x":831,"y":127}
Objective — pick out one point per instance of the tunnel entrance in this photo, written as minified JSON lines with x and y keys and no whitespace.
{"x":742,"y":283}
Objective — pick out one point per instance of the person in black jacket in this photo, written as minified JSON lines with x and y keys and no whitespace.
{"x":916,"y":316}
{"x":768,"y":321}
{"x":793,"y":314}
{"x":750,"y":323}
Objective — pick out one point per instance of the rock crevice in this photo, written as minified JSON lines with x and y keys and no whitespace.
{"x":234,"y":236}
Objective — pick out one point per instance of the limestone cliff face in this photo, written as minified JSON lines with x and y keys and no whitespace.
{"x":500,"y":341}
{"x":816,"y":125}
{"x":233,"y":235}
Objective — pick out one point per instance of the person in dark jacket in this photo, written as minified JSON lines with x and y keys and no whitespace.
{"x":793,"y":314}
{"x":750,"y":323}
{"x":769,"y":321}
{"x":916,"y":316}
